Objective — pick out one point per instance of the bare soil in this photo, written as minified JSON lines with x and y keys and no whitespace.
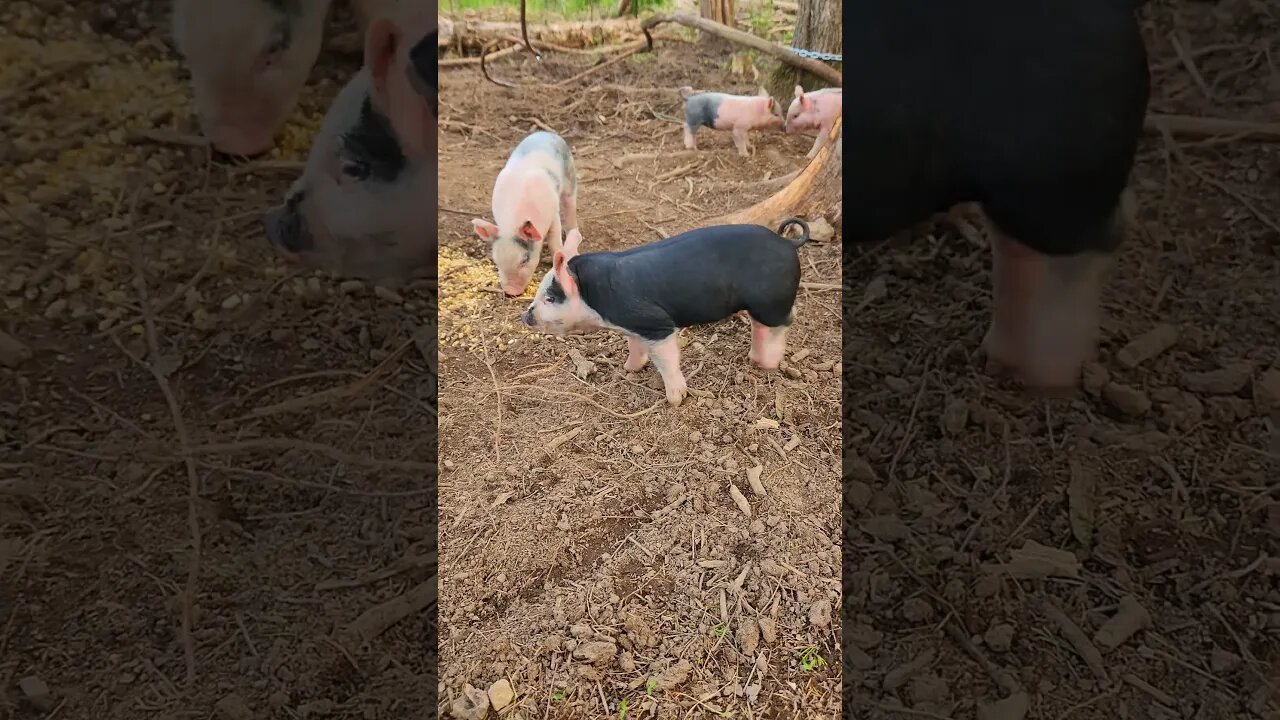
{"x":592,"y":554}
{"x":123,"y":254}
{"x":979,"y":518}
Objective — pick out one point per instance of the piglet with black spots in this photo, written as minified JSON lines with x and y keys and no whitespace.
{"x":365,"y":203}
{"x":535,"y":200}
{"x":648,"y":292}
{"x":738,"y":113}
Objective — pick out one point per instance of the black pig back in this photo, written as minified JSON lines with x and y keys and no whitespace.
{"x":1031,"y":107}
{"x":701,"y":276}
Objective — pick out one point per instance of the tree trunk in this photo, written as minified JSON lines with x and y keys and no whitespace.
{"x":721,"y":11}
{"x":814,"y":191}
{"x":819,"y":24}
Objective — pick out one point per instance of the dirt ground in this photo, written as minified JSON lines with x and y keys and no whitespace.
{"x":1156,"y":490}
{"x":591,"y":552}
{"x":308,"y":515}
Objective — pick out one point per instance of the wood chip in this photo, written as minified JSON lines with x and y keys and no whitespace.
{"x":1148,"y":345}
{"x":753,"y":477}
{"x":1129,"y":619}
{"x":741,"y":501}
{"x":1080,"y":503}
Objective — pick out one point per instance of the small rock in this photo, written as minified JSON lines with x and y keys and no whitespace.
{"x":1094,"y":377}
{"x":231,"y":303}
{"x":13,"y":352}
{"x":917,"y":610}
{"x":1223,"y":662}
{"x":473,"y":705}
{"x":928,"y":688}
{"x":581,"y":631}
{"x":857,"y":493}
{"x":1014,"y":707}
{"x":37,"y":692}
{"x":820,"y":613}
{"x":1227,"y":380}
{"x":820,"y":230}
{"x":600,"y":651}
{"x":1147,"y":346}
{"x":1127,"y":399}
{"x":233,"y":707}
{"x":1266,"y":391}
{"x":999,"y":637}
{"x":388,"y":295}
{"x":350,"y":287}
{"x":672,"y":677}
{"x":501,"y":694}
{"x":955,"y":416}
{"x":582,"y":367}
{"x":748,"y":637}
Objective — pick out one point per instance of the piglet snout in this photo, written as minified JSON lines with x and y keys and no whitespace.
{"x":285,"y":230}
{"x":527,"y":317}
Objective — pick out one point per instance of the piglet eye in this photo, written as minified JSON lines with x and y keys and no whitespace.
{"x":356,"y":169}
{"x":279,"y":41}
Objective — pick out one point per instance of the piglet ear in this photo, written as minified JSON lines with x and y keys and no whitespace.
{"x":560,"y":265}
{"x":799,"y":92}
{"x":571,"y":242}
{"x":380,"y":45}
{"x":485,"y":229}
{"x":770,"y":105}
{"x":530,"y":233}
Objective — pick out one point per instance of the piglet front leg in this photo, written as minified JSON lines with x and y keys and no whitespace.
{"x":823,"y":131}
{"x":666,"y":357}
{"x":740,"y":141}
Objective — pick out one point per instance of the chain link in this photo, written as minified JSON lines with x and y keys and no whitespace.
{"x":830,"y":57}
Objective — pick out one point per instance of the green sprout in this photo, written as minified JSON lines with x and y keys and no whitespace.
{"x":622,"y":710}
{"x":810,"y":660}
{"x":650,"y":686}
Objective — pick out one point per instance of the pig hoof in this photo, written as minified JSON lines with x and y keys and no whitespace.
{"x":677,"y":396}
{"x":634,"y":367}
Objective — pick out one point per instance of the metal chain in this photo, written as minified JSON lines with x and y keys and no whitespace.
{"x":830,"y":57}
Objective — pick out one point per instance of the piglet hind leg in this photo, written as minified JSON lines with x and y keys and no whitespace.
{"x":637,"y":355}
{"x":767,"y":344}
{"x":666,"y":357}
{"x":689,"y":142}
{"x":1045,"y":313}
{"x":740,"y":141}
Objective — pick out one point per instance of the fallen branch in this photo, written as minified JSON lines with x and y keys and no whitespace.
{"x":725,"y":32}
{"x":485,"y":71}
{"x":597,"y":68}
{"x":810,"y":194}
{"x":377,"y":619}
{"x":472,"y":35}
{"x":458,"y":62}
{"x":1202,"y":127}
{"x":153,"y":364}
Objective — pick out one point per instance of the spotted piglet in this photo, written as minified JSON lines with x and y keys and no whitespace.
{"x":646,"y":293}
{"x":737,"y":113}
